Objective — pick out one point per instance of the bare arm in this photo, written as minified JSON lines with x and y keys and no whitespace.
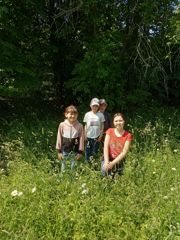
{"x":85,"y":132}
{"x":59,"y":143}
{"x":122,"y":155}
{"x":106,"y":152}
{"x":81,"y":144}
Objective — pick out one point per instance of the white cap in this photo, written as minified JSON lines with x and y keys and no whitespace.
{"x":94,"y":101}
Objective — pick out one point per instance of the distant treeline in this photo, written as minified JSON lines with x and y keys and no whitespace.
{"x":70,"y":51}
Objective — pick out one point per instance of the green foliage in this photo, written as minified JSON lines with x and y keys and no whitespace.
{"x":23,"y":46}
{"x":91,"y":47}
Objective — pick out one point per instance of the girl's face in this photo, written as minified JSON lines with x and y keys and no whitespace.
{"x":119,"y":122}
{"x":94,"y":108}
{"x":71,"y":116}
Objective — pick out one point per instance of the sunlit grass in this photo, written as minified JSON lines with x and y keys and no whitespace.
{"x":38,"y":202}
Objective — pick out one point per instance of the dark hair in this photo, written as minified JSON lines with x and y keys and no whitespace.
{"x":119,"y":115}
{"x":71,"y":109}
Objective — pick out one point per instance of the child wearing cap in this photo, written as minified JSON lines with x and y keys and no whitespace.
{"x":94,"y":125}
{"x":70,"y":138}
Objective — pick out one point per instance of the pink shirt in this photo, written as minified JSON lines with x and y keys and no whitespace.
{"x":68,"y":130}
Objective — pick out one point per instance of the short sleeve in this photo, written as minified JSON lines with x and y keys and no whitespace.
{"x":129,"y":137}
{"x":109,"y":131}
{"x":85,"y":118}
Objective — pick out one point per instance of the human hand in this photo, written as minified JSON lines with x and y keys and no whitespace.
{"x":110,"y":165}
{"x":60,"y":156}
{"x":78,"y":156}
{"x":106,"y":166}
{"x":100,"y":138}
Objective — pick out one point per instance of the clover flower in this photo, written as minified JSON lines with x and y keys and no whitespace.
{"x":33,"y":189}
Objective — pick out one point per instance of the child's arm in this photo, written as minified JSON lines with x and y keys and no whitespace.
{"x":85,"y":132}
{"x":60,"y":156}
{"x":59,"y":142}
{"x":106,"y":152}
{"x":122,"y":155}
{"x":101,"y":131}
{"x":81,"y":144}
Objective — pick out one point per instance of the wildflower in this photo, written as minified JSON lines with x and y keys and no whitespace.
{"x":174,"y":169}
{"x":84,"y":47}
{"x":175,"y":150}
{"x":33,"y":189}
{"x":85,"y":191}
{"x":172,"y":189}
{"x":20,"y":194}
{"x":14,"y":193}
{"x":153,"y":160}
{"x":154,"y":172}
{"x":78,"y":31}
{"x":83,"y":185}
{"x":165,"y":197}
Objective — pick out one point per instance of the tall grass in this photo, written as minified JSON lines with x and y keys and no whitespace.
{"x":38,"y":202}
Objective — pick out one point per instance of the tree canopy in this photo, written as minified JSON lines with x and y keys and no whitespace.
{"x":125,"y":50}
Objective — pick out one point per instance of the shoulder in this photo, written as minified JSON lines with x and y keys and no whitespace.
{"x":128,"y":135}
{"x":79,"y":125}
{"x":61,"y":124}
{"x":101,"y":116}
{"x":87,"y":114}
{"x":110,"y":131}
{"x":107,"y":114}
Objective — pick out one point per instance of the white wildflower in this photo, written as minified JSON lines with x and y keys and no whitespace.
{"x":85,"y":191}
{"x":172,"y":189}
{"x":154,"y":172}
{"x":165,"y":197}
{"x":78,"y":31}
{"x":174,"y":169}
{"x":153,"y":160}
{"x":33,"y":189}
{"x":84,"y":47}
{"x":175,"y":150}
{"x":83,"y":185}
{"x":14,"y":193}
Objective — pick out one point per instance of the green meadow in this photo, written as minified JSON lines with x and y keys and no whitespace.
{"x":38,"y":202}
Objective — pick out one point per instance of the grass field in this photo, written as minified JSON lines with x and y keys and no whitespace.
{"x":38,"y":202}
